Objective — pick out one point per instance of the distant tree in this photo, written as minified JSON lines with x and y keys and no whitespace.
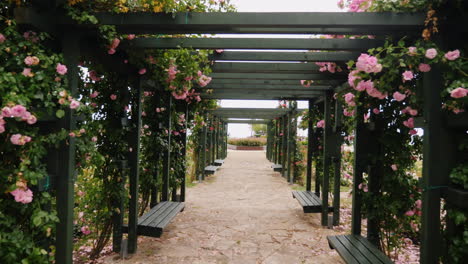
{"x":259,"y":129}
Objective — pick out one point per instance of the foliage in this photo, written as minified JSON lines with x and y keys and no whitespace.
{"x":252,"y":142}
{"x":259,"y":129}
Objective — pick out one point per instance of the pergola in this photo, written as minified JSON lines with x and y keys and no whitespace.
{"x":274,"y":74}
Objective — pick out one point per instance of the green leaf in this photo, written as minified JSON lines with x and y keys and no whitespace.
{"x":60,"y":113}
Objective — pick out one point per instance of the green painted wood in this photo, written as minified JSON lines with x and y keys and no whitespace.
{"x":319,"y":56}
{"x":360,"y":137}
{"x":267,"y":87}
{"x":289,"y":148}
{"x":203,"y":150}
{"x":134,"y":158}
{"x":247,"y":121}
{"x":356,"y":249}
{"x":284,"y":150}
{"x":310,"y":202}
{"x":249,"y":82}
{"x":154,"y":189}
{"x":309,"y":150}
{"x":265,"y":67}
{"x":66,"y":168}
{"x":337,"y":142}
{"x":167,"y":154}
{"x":256,"y":43}
{"x":327,"y":145}
{"x":278,"y":76}
{"x":184,"y":153}
{"x":220,"y":111}
{"x":436,"y":166}
{"x":301,"y":22}
{"x":249,"y":95}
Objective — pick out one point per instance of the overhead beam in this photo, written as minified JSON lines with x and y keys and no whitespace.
{"x":265,"y":67}
{"x":261,"y":95}
{"x":263,"y":87}
{"x":249,"y":110}
{"x":298,"y":22}
{"x":256,"y":43}
{"x":278,"y":76}
{"x":249,"y":121}
{"x":249,"y":82}
{"x":322,"y":56}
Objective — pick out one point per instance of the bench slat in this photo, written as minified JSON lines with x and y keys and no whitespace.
{"x":357,"y":249}
{"x":165,"y":221}
{"x":157,"y":218}
{"x":155,"y":210}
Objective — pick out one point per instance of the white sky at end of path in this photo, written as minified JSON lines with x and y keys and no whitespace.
{"x":244,"y":130}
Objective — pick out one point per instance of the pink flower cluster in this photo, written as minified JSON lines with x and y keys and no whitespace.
{"x":61,"y":69}
{"x":203,"y":80}
{"x":17,"y":111}
{"x":321,"y":123}
{"x":416,"y":210}
{"x":355,"y":5}
{"x":2,"y":38}
{"x":113,"y":46}
{"x":368,"y":63}
{"x":349,"y":99}
{"x":459,"y":92}
{"x":306,"y":83}
{"x":328,"y":66}
{"x":22,"y":196}
{"x":18,"y":139}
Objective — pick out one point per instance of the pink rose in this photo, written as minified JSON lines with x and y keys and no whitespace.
{"x":347,"y":113}
{"x":115,"y":43}
{"x":204,"y":80}
{"x":321,"y":123}
{"x":349,"y":99}
{"x":459,"y":92}
{"x":409,"y":123}
{"x":85,"y":230}
{"x":409,"y":213}
{"x":423,"y":67}
{"x":2,"y":38}
{"x":413,"y":132}
{"x":61,"y":69}
{"x":352,"y":77}
{"x":31,"y":120}
{"x":376,"y":111}
{"x":18,"y":139}
{"x":399,"y":96}
{"x":82,"y":131}
{"x":418,"y":204}
{"x":6,"y":111}
{"x":305,"y":83}
{"x":2,"y":128}
{"x":394,"y":167}
{"x":94,"y":139}
{"x":408,"y":75}
{"x":130,"y":36}
{"x":452,"y":55}
{"x":74,"y":104}
{"x":368,"y":63}
{"x":72,"y":134}
{"x":111,"y":51}
{"x":18,"y":111}
{"x":29,"y":61}
{"x":94,"y":94}
{"x":22,"y":196}
{"x":431,"y":53}
{"x":113,"y":97}
{"x":142,"y":71}
{"x":219,"y":51}
{"x":364,"y":85}
{"x":412,"y":51}
{"x":27,"y":72}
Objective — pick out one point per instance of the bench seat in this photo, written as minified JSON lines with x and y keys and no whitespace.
{"x":155,"y":220}
{"x":309,"y":201}
{"x":211,"y":169}
{"x":277,"y":167}
{"x":218,"y":162}
{"x":356,"y":249}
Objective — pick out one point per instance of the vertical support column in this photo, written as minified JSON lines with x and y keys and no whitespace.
{"x":327,"y":143}
{"x":167,"y":153}
{"x":184,"y":154}
{"x":284,"y":146}
{"x":203,"y":149}
{"x":154,"y":189}
{"x":359,"y":156}
{"x":337,"y":162}
{"x":310,"y":139}
{"x":134,"y":169}
{"x":436,"y":166}
{"x":289,"y":148}
{"x":66,"y":168}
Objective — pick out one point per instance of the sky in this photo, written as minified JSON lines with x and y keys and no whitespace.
{"x":243,"y":130}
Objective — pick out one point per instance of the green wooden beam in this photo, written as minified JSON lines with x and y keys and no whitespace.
{"x":263,"y":87}
{"x":249,"y":110}
{"x":297,"y":22}
{"x":259,"y":94}
{"x":265,"y":67}
{"x":278,"y":76}
{"x":256,"y":43}
{"x":247,"y":121}
{"x":269,"y":82}
{"x":319,"y":56}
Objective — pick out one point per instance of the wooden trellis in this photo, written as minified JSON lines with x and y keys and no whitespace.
{"x":256,"y":81}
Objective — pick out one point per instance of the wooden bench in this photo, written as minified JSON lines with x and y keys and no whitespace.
{"x":277,"y":167}
{"x":310,"y":202}
{"x":211,"y":169}
{"x":155,"y":220}
{"x":356,"y":249}
{"x":218,"y":162}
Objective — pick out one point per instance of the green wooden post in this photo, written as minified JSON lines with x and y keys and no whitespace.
{"x":310,"y":140}
{"x":134,"y":158}
{"x":217,"y":127}
{"x":288,"y":148}
{"x":294,"y":146}
{"x":203,"y":148}
{"x":337,"y":162}
{"x":184,"y":154}
{"x":437,"y":163}
{"x":284,"y":146}
{"x":167,"y":153}
{"x":327,"y":143}
{"x":360,"y":139}
{"x":375,"y":175}
{"x":66,"y":168}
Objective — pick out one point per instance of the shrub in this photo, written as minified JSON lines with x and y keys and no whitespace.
{"x":251,"y":142}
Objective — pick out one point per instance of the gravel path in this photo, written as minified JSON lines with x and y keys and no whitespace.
{"x":243,"y":214}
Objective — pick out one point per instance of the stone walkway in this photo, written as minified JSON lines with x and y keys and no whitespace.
{"x":243,"y":214}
